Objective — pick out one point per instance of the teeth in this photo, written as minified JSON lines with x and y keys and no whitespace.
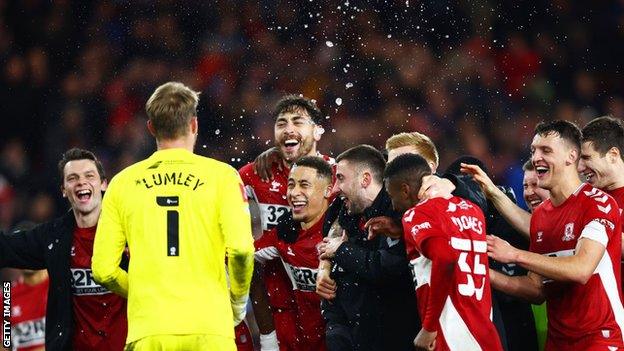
{"x":299,"y":203}
{"x":291,"y":142}
{"x":541,"y":168}
{"x":84,"y":192}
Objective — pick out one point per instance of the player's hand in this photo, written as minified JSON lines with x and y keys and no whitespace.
{"x":264,"y":162}
{"x":329,"y":247}
{"x":384,"y":226}
{"x":425,"y":340}
{"x":325,"y":286}
{"x":500,"y":250}
{"x":239,"y":309}
{"x":484,"y":181}
{"x":434,"y":186}
{"x":266,"y":254}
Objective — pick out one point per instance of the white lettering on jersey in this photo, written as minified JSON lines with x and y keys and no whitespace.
{"x":302,"y":278}
{"x":83,"y":284}
{"x":29,"y":333}
{"x":418,"y":227}
{"x":468,"y":223}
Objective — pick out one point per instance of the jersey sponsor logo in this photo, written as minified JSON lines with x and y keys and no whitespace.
{"x":271,"y":214}
{"x":29,"y":333}
{"x":82,"y":283}
{"x":468,"y":223}
{"x":418,"y":227}
{"x":568,"y":232}
{"x":303,"y":278}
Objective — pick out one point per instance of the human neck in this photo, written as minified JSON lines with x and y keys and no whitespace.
{"x":313,"y":221}
{"x":371,"y":193}
{"x":185,"y":142}
{"x":568,"y":184}
{"x":87,"y":220}
{"x":289,"y":164}
{"x":618,"y":177}
{"x":35,"y":278}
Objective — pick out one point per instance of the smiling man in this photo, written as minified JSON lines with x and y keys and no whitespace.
{"x":297,"y":238}
{"x":297,"y":130}
{"x":76,"y":303}
{"x":574,"y":258}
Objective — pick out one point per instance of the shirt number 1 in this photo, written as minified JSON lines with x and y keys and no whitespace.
{"x":173,"y":223}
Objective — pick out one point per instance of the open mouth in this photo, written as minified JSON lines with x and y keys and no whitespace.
{"x":534,"y":201}
{"x":291,"y":144}
{"x":541,"y":170}
{"x":83,"y":195}
{"x":588,"y":176}
{"x":299,"y":205}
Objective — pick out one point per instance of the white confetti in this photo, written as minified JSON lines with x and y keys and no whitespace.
{"x":338,"y":101}
{"x":349,"y":85}
{"x":218,"y":131}
{"x":329,"y":44}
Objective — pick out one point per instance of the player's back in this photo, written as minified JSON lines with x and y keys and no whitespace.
{"x":465,"y":321}
{"x":174,"y":210}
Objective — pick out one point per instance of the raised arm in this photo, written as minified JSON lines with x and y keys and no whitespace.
{"x":513,"y":214}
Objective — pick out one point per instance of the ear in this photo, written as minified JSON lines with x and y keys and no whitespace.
{"x":573,"y":156}
{"x":104,"y":185}
{"x":328,"y":191}
{"x":433,"y":167}
{"x":318,"y":132}
{"x":63,"y":191}
{"x":194,"y":125}
{"x":150,"y":127}
{"x":613,"y":155}
{"x":366,"y":179}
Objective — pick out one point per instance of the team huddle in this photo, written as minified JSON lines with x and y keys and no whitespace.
{"x":371,"y":250}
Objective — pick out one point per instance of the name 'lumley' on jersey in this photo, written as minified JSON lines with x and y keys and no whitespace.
{"x":171,"y":178}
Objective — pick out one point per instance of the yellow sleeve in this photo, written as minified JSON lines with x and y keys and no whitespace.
{"x":235,"y":222}
{"x":110,"y":242}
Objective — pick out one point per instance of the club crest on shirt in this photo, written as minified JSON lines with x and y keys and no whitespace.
{"x":275,"y":186}
{"x":568,"y":233}
{"x":539,"y":237}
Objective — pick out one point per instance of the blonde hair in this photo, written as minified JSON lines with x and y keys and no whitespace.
{"x":170,"y":108}
{"x":422,"y":143}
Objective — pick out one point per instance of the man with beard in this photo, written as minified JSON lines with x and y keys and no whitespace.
{"x":76,"y":303}
{"x":374,"y":307}
{"x":575,"y":250}
{"x":297,"y":238}
{"x":297,"y":129}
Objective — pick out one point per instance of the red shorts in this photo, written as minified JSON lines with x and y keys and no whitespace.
{"x":244,"y":341}
{"x":285,"y":322}
{"x":585,"y":344}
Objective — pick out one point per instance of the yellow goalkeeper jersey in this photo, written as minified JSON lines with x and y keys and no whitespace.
{"x":179,"y":213}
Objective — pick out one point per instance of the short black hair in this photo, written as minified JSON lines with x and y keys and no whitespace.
{"x":365,"y":155}
{"x":455,"y":167}
{"x":409,"y":169}
{"x":528,"y":166}
{"x":566,"y":130}
{"x":604,"y":133}
{"x":293,"y":102}
{"x":322,"y":167}
{"x":79,"y":154}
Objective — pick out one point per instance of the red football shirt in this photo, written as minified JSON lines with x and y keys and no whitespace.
{"x":28,"y":311}
{"x":618,"y":195}
{"x":301,"y":262}
{"x":454,"y":299}
{"x":100,"y":321}
{"x":582,"y":314}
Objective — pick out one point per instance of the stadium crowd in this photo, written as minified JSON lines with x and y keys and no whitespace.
{"x":471,"y":80}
